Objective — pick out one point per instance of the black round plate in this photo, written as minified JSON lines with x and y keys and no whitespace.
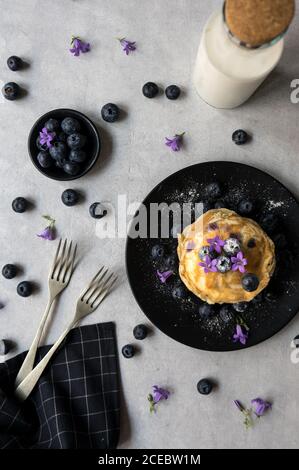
{"x":179,"y":318}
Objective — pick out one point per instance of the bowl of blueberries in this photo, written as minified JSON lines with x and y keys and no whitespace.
{"x":64,"y":144}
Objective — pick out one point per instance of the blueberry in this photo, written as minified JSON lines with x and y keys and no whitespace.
{"x":128,"y":351}
{"x":232,"y":246}
{"x":245,"y":207}
{"x":240,"y":307}
{"x":213,"y":190}
{"x":206,"y":311}
{"x":170,"y":262}
{"x":76,"y":141}
{"x":225,"y":313}
{"x":14,"y":63}
{"x":220,"y":204}
{"x":140,"y":332}
{"x":223,"y":264}
{"x":11,"y":91}
{"x":77,"y":156}
{"x":5,"y":347}
{"x":204,"y":251}
{"x":24,"y":289}
{"x":71,"y":169}
{"x":9,"y":271}
{"x":52,"y":125}
{"x":172,"y":92}
{"x":251,"y":243}
{"x":269,"y":222}
{"x":44,"y":159}
{"x":110,"y":112}
{"x":250,"y":282}
{"x":60,"y":162}
{"x":62,"y":137}
{"x":150,"y":90}
{"x":97,"y":210}
{"x":19,"y":205}
{"x":178,"y":292}
{"x":41,"y":147}
{"x":58,"y":150}
{"x":70,"y":197}
{"x":240,"y":137}
{"x":157,"y":251}
{"x":204,"y":386}
{"x":70,"y":125}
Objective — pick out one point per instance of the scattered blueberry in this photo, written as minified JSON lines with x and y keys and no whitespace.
{"x":77,"y":156}
{"x":245,"y":207}
{"x":240,"y":307}
{"x":269,"y":222}
{"x":223,"y":264}
{"x":240,"y":137}
{"x":214,"y":190}
{"x":71,"y":168}
{"x":70,"y":197}
{"x":206,"y":311}
{"x":11,"y":91}
{"x":5,"y":347}
{"x":19,"y":205}
{"x":76,"y":141}
{"x":204,"y":386}
{"x":232,"y":246}
{"x":58,"y":150}
{"x":110,"y":112}
{"x":157,"y":251}
{"x":97,"y":210}
{"x":9,"y":271}
{"x":150,"y":90}
{"x":172,"y":92}
{"x":44,"y":159}
{"x":14,"y":63}
{"x":70,"y":125}
{"x":24,"y":288}
{"x":178,"y":292}
{"x":52,"y":125}
{"x":250,"y":282}
{"x":251,"y":243}
{"x":41,"y":147}
{"x":225,"y":313}
{"x":140,"y":332}
{"x":128,"y":351}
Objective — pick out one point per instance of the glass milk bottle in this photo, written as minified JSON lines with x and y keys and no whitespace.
{"x":239,"y":47}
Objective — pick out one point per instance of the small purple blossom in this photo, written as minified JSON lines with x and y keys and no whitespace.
{"x":261,"y":406}
{"x":240,"y":335}
{"x":163,"y":276}
{"x":209,"y":265}
{"x":239,"y":262}
{"x":175,"y":143}
{"x":128,"y":46}
{"x":79,"y":46}
{"x":46,"y":137}
{"x":49,"y":232}
{"x":160,"y":393}
{"x":216,"y":243}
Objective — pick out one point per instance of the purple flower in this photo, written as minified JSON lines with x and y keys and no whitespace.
{"x":49,"y":232}
{"x":160,"y":393}
{"x":46,"y":137}
{"x":261,"y":406}
{"x":240,"y":335}
{"x":175,"y":143}
{"x":164,"y":276}
{"x":79,"y":46}
{"x":128,"y":46}
{"x":239,"y":262}
{"x":216,"y":243}
{"x":209,"y":265}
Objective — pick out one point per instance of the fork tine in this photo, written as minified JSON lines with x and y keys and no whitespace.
{"x":61,"y":260}
{"x":91,"y":283}
{"x":71,"y":265}
{"x":55,"y":259}
{"x":100,"y":297}
{"x":100,"y":286}
{"x":66,"y":263}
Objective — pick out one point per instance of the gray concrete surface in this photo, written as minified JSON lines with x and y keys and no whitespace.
{"x":133,"y":160}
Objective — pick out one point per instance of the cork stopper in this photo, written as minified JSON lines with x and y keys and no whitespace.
{"x":256,"y":22}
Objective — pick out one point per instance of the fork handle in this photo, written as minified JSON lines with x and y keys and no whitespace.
{"x":27,"y":385}
{"x":28,"y":362}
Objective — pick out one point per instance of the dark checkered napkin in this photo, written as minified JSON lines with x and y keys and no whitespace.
{"x":76,"y":402}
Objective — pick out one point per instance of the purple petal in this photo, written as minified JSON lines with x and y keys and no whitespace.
{"x":163,"y":276}
{"x":47,"y":234}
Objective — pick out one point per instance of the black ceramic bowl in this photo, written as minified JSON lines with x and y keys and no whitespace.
{"x":92,"y":146}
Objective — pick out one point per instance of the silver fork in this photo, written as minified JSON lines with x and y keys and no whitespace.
{"x":88,"y":301}
{"x":59,"y":277}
